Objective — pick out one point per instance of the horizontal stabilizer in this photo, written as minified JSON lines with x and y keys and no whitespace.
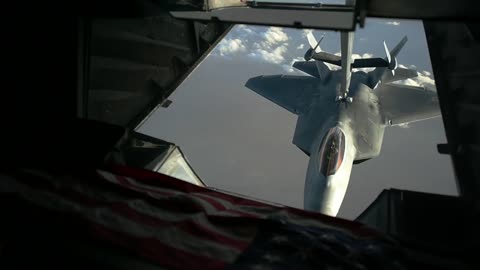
{"x":313,"y":68}
{"x":308,"y":67}
{"x":328,"y":58}
{"x":357,"y":63}
{"x":369,"y":62}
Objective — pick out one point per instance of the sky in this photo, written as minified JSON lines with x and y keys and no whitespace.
{"x":238,"y":141}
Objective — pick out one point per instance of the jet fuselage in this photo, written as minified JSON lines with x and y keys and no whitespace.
{"x":345,"y":132}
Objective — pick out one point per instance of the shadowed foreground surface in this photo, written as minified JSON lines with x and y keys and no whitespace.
{"x":136,"y":218}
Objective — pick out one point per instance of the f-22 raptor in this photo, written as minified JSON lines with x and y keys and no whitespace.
{"x":342,"y":114}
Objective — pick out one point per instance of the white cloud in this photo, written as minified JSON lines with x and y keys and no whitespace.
{"x":271,"y":46}
{"x":426,"y":73}
{"x":365,"y":55}
{"x":410,"y":82}
{"x":288,"y":68}
{"x":236,"y":41}
{"x":423,"y":79}
{"x":268,"y":44}
{"x":356,"y":55}
{"x":300,"y":47}
{"x":230,"y":46}
{"x":274,"y":35}
{"x":247,"y":30}
{"x":239,"y":28}
{"x":395,"y":23}
{"x":275,"y":56}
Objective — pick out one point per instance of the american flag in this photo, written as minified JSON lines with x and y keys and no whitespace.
{"x":178,"y":225}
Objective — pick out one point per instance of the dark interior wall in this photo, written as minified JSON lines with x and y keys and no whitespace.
{"x":39,"y":71}
{"x":454,"y":52}
{"x":46,"y":59}
{"x":40,"y":44}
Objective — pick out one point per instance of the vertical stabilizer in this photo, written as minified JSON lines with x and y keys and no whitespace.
{"x":379,"y":74}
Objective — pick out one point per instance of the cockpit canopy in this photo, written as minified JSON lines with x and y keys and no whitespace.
{"x":332,"y":151}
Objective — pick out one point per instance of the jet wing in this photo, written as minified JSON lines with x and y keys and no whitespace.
{"x":290,"y":92}
{"x":402,"y":104}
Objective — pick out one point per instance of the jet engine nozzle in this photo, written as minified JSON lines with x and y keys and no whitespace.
{"x":308,"y":54}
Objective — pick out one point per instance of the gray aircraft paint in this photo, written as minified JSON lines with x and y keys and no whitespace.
{"x":374,"y":106}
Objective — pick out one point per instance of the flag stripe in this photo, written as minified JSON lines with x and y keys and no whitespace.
{"x":129,"y":182}
{"x":211,"y":201}
{"x":159,"y":252}
{"x":120,"y":180}
{"x":197,"y":224}
{"x":169,"y":235}
{"x":89,"y":196}
{"x":216,"y":203}
{"x":309,"y":217}
{"x":154,"y":179}
{"x":160,"y":212}
{"x":155,"y":192}
{"x":190,"y":226}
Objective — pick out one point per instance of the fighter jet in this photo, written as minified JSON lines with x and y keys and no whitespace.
{"x":342,"y":114}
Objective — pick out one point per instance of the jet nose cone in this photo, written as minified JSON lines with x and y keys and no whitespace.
{"x":322,"y":195}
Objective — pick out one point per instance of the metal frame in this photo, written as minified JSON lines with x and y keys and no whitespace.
{"x":335,"y":17}
{"x":325,"y":17}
